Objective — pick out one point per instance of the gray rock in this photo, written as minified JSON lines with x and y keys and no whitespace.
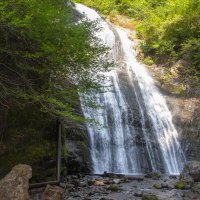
{"x":138,"y":194}
{"x":191,"y":172}
{"x":68,"y":185}
{"x":75,"y":194}
{"x":157,"y":186}
{"x":165,"y":185}
{"x":14,"y":186}
{"x":153,"y":175}
{"x":78,"y":158}
{"x":74,"y":177}
{"x":82,"y":184}
{"x":116,"y":181}
{"x":71,"y":198}
{"x":196,"y":188}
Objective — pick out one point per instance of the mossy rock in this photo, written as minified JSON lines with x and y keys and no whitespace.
{"x":196,"y":187}
{"x":91,"y":182}
{"x":82,"y":145}
{"x":114,"y":188}
{"x":182,"y":185}
{"x":157,"y":186}
{"x":149,"y":197}
{"x":153,"y":175}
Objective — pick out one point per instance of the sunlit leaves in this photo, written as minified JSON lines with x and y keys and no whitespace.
{"x":48,"y":56}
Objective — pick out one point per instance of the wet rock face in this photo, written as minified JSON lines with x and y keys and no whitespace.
{"x":77,"y":159}
{"x":77,"y":146}
{"x":185,"y":109}
{"x":186,"y":117}
{"x":191,"y":172}
{"x":14,"y":186}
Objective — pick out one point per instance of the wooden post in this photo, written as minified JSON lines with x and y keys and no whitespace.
{"x":58,"y":149}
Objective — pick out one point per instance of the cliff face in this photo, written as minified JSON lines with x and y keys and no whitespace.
{"x":77,"y":159}
{"x":183,"y":101}
{"x":185,"y":111}
{"x":186,"y":117}
{"x":76,"y":146}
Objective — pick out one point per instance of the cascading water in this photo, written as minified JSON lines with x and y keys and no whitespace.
{"x":138,"y":133}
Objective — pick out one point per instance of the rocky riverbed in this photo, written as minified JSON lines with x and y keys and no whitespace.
{"x":116,"y":187}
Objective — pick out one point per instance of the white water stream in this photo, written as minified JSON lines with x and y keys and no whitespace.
{"x":139,"y":134}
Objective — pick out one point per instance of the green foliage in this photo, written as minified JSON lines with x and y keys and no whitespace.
{"x":169,"y":27}
{"x":105,"y":7}
{"x":29,"y":138}
{"x":114,"y":188}
{"x":47,"y":58}
{"x":148,"y":61}
{"x":191,"y":48}
{"x":170,"y":30}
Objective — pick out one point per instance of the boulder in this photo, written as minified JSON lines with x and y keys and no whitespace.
{"x":149,"y":197}
{"x":99,"y":183}
{"x":52,"y":193}
{"x":138,"y":194}
{"x":153,"y":175}
{"x":196,"y":188}
{"x":114,"y":188}
{"x":78,"y":158}
{"x":182,"y":185}
{"x":157,"y":186}
{"x":15,"y":185}
{"x":191,"y":172}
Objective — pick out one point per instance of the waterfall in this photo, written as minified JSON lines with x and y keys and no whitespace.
{"x":138,"y":133}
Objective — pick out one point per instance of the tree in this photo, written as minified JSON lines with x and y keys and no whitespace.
{"x":46,"y":58}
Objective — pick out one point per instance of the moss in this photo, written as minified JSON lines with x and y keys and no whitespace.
{"x":150,"y":197}
{"x":91,"y":182}
{"x":153,"y":175}
{"x":84,"y":150}
{"x":181,"y":185}
{"x":114,"y":188}
{"x":195,"y":187}
{"x":157,"y":186}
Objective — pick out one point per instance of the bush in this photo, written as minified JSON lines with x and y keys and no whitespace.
{"x":148,"y":61}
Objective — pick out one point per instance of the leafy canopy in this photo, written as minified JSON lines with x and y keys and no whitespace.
{"x":46,"y":57}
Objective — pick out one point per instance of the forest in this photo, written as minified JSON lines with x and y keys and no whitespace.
{"x":49,"y":55}
{"x":46,"y":59}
